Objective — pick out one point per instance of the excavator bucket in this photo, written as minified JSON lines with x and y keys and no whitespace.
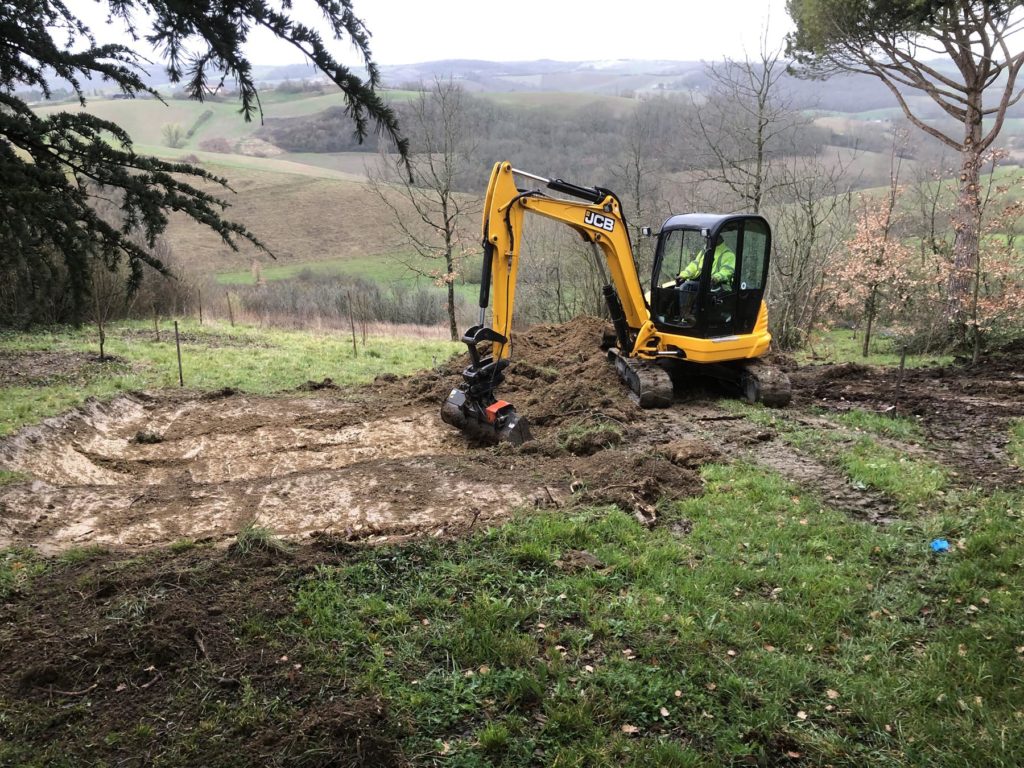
{"x":494,"y":423}
{"x":472,"y":406}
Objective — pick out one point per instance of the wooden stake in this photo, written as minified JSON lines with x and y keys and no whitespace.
{"x":352,"y":323}
{"x":231,"y":314}
{"x":903,"y":364}
{"x":199,"y":293}
{"x":156,"y":323}
{"x":177,"y":343}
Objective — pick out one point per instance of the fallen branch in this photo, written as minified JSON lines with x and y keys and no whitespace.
{"x":82,"y":692}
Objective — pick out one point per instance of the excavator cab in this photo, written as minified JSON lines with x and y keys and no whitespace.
{"x":724,"y":297}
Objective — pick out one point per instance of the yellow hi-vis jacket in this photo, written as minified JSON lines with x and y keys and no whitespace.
{"x":722,"y":268}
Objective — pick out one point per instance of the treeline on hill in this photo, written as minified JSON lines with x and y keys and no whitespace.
{"x":879,"y":260}
{"x":584,"y":139}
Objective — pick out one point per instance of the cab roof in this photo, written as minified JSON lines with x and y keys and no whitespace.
{"x":702,"y":220}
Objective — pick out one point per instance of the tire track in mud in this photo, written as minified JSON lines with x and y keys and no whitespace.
{"x":736,"y":437}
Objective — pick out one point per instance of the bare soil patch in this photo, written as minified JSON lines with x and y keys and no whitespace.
{"x":105,"y":643}
{"x":965,"y":411}
{"x":41,"y":368}
{"x":375,"y":463}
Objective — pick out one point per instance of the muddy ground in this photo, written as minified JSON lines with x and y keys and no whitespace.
{"x":377,"y":464}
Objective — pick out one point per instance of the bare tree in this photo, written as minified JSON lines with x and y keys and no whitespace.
{"x":742,"y":124}
{"x":639,"y":173}
{"x":425,"y":208}
{"x":173,"y":135}
{"x":108,"y":298}
{"x":809,"y":231}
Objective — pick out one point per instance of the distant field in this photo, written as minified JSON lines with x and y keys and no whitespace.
{"x":313,"y":211}
{"x":302,"y":217}
{"x":569,"y":101}
{"x":384,"y":268}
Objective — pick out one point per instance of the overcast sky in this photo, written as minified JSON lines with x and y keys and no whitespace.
{"x":405,"y":31}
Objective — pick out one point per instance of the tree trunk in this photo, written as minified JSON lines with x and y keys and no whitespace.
{"x":967,"y":227}
{"x":869,"y":311}
{"x":449,"y":263}
{"x":452,"y":326}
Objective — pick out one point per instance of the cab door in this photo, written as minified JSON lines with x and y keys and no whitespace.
{"x":751,"y":272}
{"x":731,"y":307}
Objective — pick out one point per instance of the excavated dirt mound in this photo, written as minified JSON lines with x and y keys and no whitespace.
{"x":558,"y":375}
{"x":370,"y":463}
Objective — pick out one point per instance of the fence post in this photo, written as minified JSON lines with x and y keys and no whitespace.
{"x":352,"y":324}
{"x":177,"y":343}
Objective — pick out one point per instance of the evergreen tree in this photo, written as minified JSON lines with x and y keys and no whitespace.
{"x":51,"y":167}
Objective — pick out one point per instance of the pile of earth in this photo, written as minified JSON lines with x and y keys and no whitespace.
{"x":558,"y":375}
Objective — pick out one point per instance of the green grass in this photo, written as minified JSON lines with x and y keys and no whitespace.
{"x":886,"y":425}
{"x":909,"y":480}
{"x":253,"y":360}
{"x":384,"y":268}
{"x":912,"y":480}
{"x":841,"y":345}
{"x":7,"y":477}
{"x":776,"y":626}
{"x":256,"y":539}
{"x":1015,"y":447}
{"x":18,"y":569}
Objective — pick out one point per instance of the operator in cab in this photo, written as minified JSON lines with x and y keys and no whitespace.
{"x":722,"y":268}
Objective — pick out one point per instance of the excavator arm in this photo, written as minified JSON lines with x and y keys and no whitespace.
{"x":596,"y":216}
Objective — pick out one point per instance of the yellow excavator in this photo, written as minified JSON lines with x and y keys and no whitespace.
{"x":679,"y":328}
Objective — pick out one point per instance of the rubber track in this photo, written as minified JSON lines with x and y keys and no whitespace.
{"x":649,"y":384}
{"x":773,"y":385}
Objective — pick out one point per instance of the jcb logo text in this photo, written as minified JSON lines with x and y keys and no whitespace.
{"x":599,"y":221}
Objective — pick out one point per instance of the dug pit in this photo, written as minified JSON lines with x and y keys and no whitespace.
{"x":372,"y":463}
{"x":142,"y":471}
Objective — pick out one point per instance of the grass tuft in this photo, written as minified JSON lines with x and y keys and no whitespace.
{"x":909,"y":480}
{"x":588,"y":439}
{"x":1015,"y":447}
{"x":256,"y":539}
{"x":18,"y":568}
{"x":9,"y":477}
{"x":885,"y":425}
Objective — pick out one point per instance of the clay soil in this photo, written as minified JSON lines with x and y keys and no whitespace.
{"x":376,"y":463}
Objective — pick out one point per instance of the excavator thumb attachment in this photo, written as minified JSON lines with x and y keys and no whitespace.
{"x":472,"y":406}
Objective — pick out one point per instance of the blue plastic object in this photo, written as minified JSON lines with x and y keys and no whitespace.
{"x":940,"y":545}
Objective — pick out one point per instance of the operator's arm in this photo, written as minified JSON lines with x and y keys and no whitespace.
{"x":692,"y":270}
{"x":725,"y":266}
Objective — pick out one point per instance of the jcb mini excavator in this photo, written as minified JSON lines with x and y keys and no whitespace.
{"x":678,"y":328}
